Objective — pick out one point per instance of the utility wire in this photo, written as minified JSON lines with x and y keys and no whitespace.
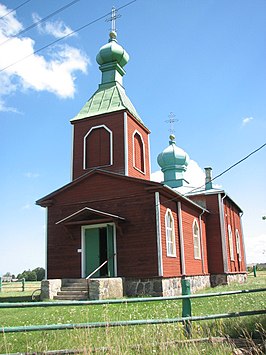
{"x":9,"y":12}
{"x":40,"y":21}
{"x":222,"y":173}
{"x":230,"y":167}
{"x":67,"y":35}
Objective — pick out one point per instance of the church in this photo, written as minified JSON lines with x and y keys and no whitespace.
{"x":111,"y":222}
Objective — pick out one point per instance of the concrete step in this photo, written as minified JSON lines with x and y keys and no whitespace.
{"x":80,"y":297}
{"x":75,"y":284}
{"x":72,"y":293}
{"x":75,"y":281}
{"x":74,"y":288}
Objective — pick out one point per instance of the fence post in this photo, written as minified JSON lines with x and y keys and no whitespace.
{"x":0,"y":284}
{"x":186,"y":305}
{"x":255,"y":270}
{"x":23,"y":284}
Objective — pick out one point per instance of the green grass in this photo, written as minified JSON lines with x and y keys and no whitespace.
{"x":12,"y":291}
{"x":159,"y":339}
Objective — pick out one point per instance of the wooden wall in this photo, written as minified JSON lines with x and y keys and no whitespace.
{"x":136,"y":236}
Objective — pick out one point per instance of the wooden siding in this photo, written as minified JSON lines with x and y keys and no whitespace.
{"x":136,"y":236}
{"x":193,"y":266}
{"x":115,"y":123}
{"x":232,"y":218}
{"x":172,"y":265}
{"x":133,"y":126}
{"x":214,"y":233}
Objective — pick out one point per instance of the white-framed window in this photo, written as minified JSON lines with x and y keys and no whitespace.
{"x":238,"y":247}
{"x":231,"y":244}
{"x":196,"y":239}
{"x":138,"y":152}
{"x":170,"y":234}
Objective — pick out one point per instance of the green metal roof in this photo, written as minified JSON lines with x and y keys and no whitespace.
{"x":108,"y":98}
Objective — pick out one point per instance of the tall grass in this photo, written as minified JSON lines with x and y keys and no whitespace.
{"x":144,"y":339}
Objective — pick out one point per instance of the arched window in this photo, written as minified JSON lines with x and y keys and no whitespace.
{"x":170,"y":234}
{"x":138,"y":149}
{"x":196,"y":240}
{"x":231,"y":245}
{"x":238,"y":247}
{"x":98,"y":147}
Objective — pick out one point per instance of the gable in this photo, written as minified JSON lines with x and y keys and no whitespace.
{"x":97,"y":185}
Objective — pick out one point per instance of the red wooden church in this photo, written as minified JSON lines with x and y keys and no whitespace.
{"x":112,"y":221}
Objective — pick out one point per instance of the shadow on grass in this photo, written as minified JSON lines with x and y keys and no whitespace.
{"x":16,"y":299}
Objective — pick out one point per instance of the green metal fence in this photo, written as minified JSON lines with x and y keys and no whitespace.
{"x":186,"y":318}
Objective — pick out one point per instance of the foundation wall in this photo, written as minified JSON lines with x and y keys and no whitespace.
{"x":49,"y":288}
{"x":227,"y":279}
{"x":164,"y":287}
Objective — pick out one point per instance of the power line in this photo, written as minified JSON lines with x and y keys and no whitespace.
{"x":9,"y":12}
{"x":40,"y":21}
{"x":67,"y":35}
{"x":222,"y":173}
{"x":230,"y":167}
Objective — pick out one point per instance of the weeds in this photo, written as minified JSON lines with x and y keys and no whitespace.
{"x":144,"y":339}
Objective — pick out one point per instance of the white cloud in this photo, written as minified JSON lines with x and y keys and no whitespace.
{"x":247,"y":120}
{"x":54,"y":72}
{"x":194,"y":175}
{"x":31,"y":175}
{"x":9,"y":25}
{"x":255,"y":248}
{"x":27,"y":206}
{"x":57,"y":28}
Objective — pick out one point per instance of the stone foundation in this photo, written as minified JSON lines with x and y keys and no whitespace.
{"x":163,"y":286}
{"x":105,"y":288}
{"x":49,"y":288}
{"x":226,"y":279}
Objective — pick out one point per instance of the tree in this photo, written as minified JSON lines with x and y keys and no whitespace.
{"x":40,"y":273}
{"x":37,"y":274}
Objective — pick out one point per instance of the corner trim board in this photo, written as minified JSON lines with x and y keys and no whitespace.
{"x":159,"y":234}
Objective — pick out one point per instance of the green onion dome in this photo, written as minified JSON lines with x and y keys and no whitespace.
{"x":173,"y":157}
{"x":112,"y":52}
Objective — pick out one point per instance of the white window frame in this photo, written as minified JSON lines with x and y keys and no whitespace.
{"x":170,"y":234}
{"x":231,"y":244}
{"x":238,"y":245}
{"x":111,"y":145}
{"x":196,"y":240}
{"x":143,"y":146}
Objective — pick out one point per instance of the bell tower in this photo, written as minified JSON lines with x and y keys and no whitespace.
{"x":108,"y":132}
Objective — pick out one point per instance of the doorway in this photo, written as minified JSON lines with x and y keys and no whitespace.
{"x":99,"y":247}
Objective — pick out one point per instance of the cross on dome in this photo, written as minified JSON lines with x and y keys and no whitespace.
{"x":114,"y":16}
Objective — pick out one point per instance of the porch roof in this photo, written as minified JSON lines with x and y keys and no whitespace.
{"x":87,"y":214}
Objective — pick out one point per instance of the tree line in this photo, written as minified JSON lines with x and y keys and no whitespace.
{"x":36,"y":274}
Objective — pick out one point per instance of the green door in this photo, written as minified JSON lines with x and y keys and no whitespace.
{"x":92,"y":250}
{"x":99,"y":247}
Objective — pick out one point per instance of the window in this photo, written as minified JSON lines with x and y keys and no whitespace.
{"x":138,"y":149}
{"x":170,"y":234}
{"x":231,"y":246}
{"x":238,"y":248}
{"x":196,"y":240}
{"x":98,"y":147}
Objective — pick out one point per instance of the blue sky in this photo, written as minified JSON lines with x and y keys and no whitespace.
{"x":202,"y":60}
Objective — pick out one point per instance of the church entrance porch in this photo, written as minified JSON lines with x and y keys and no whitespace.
{"x":98,"y":251}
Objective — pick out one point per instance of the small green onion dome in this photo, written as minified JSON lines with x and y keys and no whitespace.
{"x":112,"y":52}
{"x":173,"y":157}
